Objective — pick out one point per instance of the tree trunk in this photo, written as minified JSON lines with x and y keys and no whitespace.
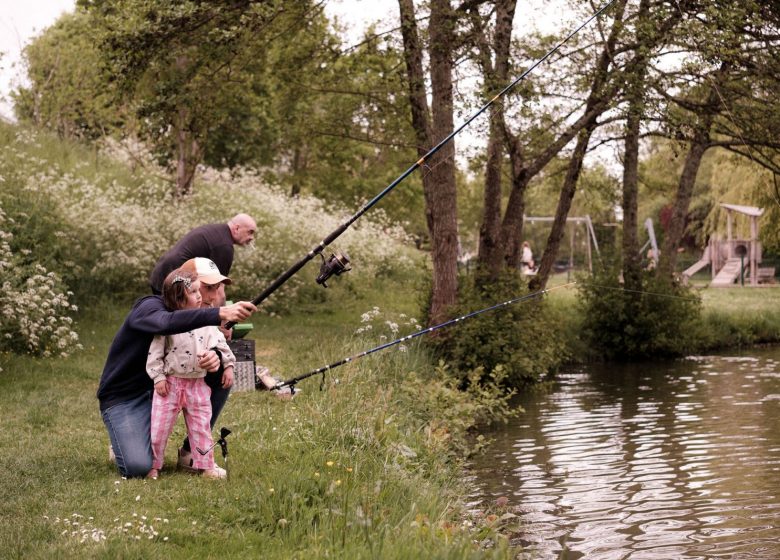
{"x":635,"y":98}
{"x":699,"y":145}
{"x":439,"y":172}
{"x":490,"y":256}
{"x":189,"y":154}
{"x":539,"y":281}
{"x":596,"y":98}
{"x":631,"y":263}
{"x":523,"y":173}
{"x":443,"y":192}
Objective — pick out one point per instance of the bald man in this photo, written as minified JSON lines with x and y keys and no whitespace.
{"x":212,"y":241}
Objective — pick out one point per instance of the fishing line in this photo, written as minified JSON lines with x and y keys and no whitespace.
{"x":639,"y":291}
{"x":293,"y":381}
{"x":330,"y":266}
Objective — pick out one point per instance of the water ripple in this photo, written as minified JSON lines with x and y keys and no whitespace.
{"x":664,"y":461}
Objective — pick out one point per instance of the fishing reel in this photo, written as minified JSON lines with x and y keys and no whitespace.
{"x":337,"y":263}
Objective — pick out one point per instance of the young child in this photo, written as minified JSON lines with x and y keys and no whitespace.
{"x":179,"y":383}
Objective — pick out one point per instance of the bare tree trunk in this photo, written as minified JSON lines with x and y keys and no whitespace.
{"x":595,"y":98}
{"x":699,"y":145}
{"x":635,"y":98}
{"x":443,"y":195}
{"x":439,"y":181}
{"x":490,"y":255}
{"x":539,"y":281}
{"x":189,"y":154}
{"x":523,"y":173}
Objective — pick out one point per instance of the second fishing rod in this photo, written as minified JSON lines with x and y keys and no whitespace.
{"x":291,"y":383}
{"x":338,"y":263}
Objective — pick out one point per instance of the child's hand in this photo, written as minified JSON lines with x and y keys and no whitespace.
{"x":161,"y":388}
{"x":227,"y":333}
{"x":209,"y":361}
{"x":227,"y":378}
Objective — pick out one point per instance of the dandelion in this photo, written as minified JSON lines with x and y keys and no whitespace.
{"x":329,"y":463}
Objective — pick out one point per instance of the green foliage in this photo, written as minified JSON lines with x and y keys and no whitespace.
{"x":343,"y":125}
{"x":34,"y":304}
{"x":518,"y":344}
{"x":67,"y":92}
{"x":102,"y":228}
{"x":659,"y":322}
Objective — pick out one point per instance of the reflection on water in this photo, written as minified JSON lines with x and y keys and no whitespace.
{"x":670,"y":460}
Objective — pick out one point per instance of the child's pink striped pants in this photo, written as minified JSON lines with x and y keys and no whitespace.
{"x":193,"y":396}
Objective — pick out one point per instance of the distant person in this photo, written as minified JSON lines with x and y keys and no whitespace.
{"x":212,"y":241}
{"x":179,"y":381}
{"x":527,"y":258}
{"x":125,"y":390}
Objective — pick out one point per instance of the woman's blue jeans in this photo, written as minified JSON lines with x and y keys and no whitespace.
{"x":129,"y":426}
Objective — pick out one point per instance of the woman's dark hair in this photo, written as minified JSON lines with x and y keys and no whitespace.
{"x":175,"y":286}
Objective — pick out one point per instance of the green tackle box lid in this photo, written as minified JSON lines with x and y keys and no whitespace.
{"x":240,"y":330}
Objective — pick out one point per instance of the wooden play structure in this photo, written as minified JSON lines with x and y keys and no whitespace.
{"x":734,"y":260}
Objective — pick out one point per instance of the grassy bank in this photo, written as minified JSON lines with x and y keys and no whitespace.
{"x":362,"y":469}
{"x":731,"y":317}
{"x":358,"y":470}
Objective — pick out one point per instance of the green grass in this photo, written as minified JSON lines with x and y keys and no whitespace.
{"x":736,"y":317}
{"x":361,"y":469}
{"x":354,"y":471}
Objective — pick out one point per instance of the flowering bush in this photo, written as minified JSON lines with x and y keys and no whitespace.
{"x":34,"y":305}
{"x":112,"y":225}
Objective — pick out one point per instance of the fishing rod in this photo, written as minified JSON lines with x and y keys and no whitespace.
{"x":338,"y":262}
{"x":292,"y":382}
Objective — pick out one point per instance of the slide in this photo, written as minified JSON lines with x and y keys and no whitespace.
{"x":728,"y":274}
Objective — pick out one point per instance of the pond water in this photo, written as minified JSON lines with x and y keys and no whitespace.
{"x":666,"y":460}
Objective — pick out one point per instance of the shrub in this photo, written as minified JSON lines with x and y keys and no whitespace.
{"x":521,"y":339}
{"x":433,"y":396}
{"x":34,"y":305}
{"x":659,"y":321}
{"x":105,"y":229}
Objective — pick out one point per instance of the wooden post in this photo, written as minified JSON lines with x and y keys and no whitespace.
{"x":729,"y":247}
{"x":590,"y":255}
{"x":754,"y":251}
{"x":714,"y":255}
